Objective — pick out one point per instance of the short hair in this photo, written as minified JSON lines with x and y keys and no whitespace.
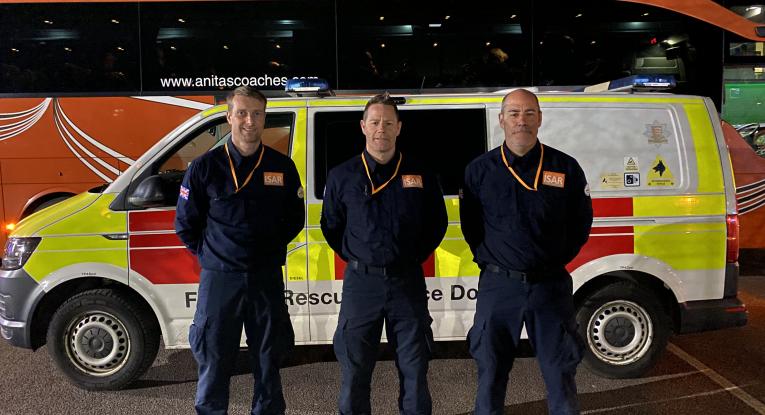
{"x":527,"y":92}
{"x":384,"y":99}
{"x":247,"y":92}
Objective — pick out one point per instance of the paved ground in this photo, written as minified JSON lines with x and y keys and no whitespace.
{"x":707,"y":373}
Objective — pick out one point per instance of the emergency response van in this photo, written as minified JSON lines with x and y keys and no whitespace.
{"x":101,"y":277}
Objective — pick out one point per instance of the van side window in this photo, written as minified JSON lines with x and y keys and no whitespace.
{"x":201,"y":142}
{"x":444,"y":140}
{"x":618,"y":150}
{"x":277,"y":135}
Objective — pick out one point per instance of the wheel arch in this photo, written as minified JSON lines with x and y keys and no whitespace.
{"x":664,"y":293}
{"x":56,"y":296}
{"x":39,"y":199}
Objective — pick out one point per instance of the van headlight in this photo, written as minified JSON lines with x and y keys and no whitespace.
{"x":17,"y":252}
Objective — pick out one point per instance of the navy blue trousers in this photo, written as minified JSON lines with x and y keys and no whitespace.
{"x":400,"y":301}
{"x":547,"y":308}
{"x":226,"y":302}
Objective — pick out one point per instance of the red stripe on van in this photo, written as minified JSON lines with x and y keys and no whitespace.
{"x":611,"y":207}
{"x":166,"y":266}
{"x":611,"y":229}
{"x":429,"y":266}
{"x":155,"y":240}
{"x":602,"y":245}
{"x":340,"y":266}
{"x":154,"y":220}
{"x":168,"y":263}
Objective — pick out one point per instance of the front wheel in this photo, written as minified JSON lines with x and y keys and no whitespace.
{"x":101,"y":340}
{"x":625,"y":329}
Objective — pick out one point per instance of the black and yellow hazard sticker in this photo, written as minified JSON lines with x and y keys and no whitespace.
{"x":660,"y":174}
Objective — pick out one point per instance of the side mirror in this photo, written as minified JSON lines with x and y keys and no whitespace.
{"x":155,"y":191}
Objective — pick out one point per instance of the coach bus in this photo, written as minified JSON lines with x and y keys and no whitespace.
{"x":87,"y":86}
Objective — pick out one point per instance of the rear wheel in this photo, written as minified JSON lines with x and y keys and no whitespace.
{"x":625,"y":329}
{"x":101,"y":340}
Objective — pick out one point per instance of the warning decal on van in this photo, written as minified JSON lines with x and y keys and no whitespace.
{"x":631,"y":164}
{"x":660,"y":175}
{"x":611,"y":181}
{"x":631,"y":179}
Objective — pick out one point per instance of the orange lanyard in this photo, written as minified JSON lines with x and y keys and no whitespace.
{"x":369,"y":176}
{"x":539,"y":168}
{"x":249,"y":176}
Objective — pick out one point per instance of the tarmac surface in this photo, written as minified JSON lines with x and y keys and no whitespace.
{"x":719,"y":372}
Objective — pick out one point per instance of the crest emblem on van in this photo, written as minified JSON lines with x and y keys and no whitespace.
{"x":656,"y":133}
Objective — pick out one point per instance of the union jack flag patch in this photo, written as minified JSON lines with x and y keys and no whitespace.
{"x":184,"y":193}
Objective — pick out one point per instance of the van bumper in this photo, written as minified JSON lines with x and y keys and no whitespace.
{"x":696,"y":316}
{"x":16,"y":291}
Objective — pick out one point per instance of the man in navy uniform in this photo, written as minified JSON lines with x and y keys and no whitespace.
{"x":239,"y":206}
{"x":384,"y":215}
{"x":526,"y":212}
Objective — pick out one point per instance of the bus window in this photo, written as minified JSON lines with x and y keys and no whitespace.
{"x":71,"y":47}
{"x":223,"y":44}
{"x":433,"y":44}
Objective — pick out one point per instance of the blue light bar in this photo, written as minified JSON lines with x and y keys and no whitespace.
{"x":636,"y":82}
{"x":307,"y":85}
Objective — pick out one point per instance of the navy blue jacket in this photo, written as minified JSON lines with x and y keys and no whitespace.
{"x":400,"y":225}
{"x":518,"y":229}
{"x":236,"y":232}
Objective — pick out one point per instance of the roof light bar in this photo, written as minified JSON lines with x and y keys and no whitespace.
{"x":636,"y":83}
{"x":307,"y":86}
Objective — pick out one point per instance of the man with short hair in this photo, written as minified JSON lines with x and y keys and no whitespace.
{"x":239,"y":206}
{"x":526,"y":212}
{"x":384,"y":215}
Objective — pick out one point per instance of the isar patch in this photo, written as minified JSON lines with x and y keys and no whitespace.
{"x":411,"y":180}
{"x":551,"y":178}
{"x":273,"y":179}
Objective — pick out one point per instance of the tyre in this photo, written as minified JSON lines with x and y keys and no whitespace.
{"x":625,"y":330}
{"x":101,"y":340}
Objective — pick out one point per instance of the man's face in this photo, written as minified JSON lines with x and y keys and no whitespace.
{"x":247,"y":117}
{"x":521,"y":119}
{"x":381,"y":127}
